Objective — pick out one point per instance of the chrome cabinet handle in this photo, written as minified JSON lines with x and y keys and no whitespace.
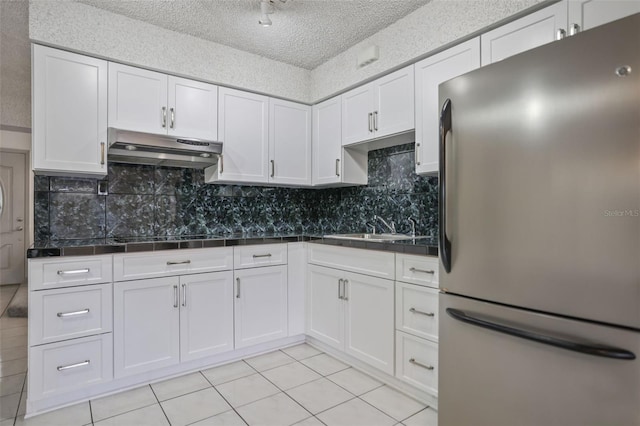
{"x":370,"y":120}
{"x":102,"y":153}
{"x":74,"y":272}
{"x":337,"y":167}
{"x":164,"y":117}
{"x":560,"y":34}
{"x":273,"y":168}
{"x":375,"y":120}
{"x":419,"y":364}
{"x":178,"y":262}
{"x":237,"y":288}
{"x":417,"y":153}
{"x":257,"y":256}
{"x":415,"y":311}
{"x":173,"y":118}
{"x":70,"y":366}
{"x":184,"y":295}
{"x":72,"y":314}
{"x":574,"y":29}
{"x":175,"y":296}
{"x":344,"y":290}
{"x":340,"y":282}
{"x":426,"y":271}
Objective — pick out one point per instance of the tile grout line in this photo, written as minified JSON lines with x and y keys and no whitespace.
{"x":128,"y":411}
{"x":225,"y":399}
{"x":159,"y":404}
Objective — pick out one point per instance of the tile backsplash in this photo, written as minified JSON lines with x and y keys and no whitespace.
{"x":146,"y":201}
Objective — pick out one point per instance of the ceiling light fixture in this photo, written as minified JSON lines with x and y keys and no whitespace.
{"x":266,"y":9}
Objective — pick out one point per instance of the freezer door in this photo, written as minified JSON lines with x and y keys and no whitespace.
{"x":542,"y":178}
{"x":491,"y":378}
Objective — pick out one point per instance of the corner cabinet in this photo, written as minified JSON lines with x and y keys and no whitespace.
{"x":69,"y":113}
{"x":430,"y":73}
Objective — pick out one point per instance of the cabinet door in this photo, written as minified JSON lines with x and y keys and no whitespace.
{"x":243,"y":130}
{"x":206,"y":314}
{"x":394,"y":103}
{"x":523,"y":34}
{"x":69,"y":112}
{"x":369,"y":320}
{"x":357,"y":114}
{"x":146,"y":320}
{"x":591,"y":13}
{"x":325,"y":309}
{"x":289,"y":142}
{"x":193,"y":109}
{"x":430,"y":73}
{"x":137,"y":99}
{"x":327,"y":142}
{"x":261,"y":305}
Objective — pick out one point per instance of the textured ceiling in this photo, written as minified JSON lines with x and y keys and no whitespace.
{"x":304,"y":33}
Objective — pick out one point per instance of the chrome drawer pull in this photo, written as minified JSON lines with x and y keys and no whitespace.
{"x":419,"y":364}
{"x":74,"y":272}
{"x":175,"y":296}
{"x":415,"y":311}
{"x":426,"y":271}
{"x":255,"y":256}
{"x":181,"y":262}
{"x":238,"y":288}
{"x":73,"y":314}
{"x":68,"y":367}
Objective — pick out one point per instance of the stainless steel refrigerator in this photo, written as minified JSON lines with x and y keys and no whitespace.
{"x":540,"y":236}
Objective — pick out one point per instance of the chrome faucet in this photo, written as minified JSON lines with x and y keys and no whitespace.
{"x":412,"y":221}
{"x":391,"y":227}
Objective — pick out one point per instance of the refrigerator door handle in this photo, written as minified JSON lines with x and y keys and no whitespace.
{"x":593,"y":349}
{"x":444,"y":242}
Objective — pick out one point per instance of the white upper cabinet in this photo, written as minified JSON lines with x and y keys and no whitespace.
{"x":152,"y":102}
{"x":380,"y":108}
{"x":243,"y":129}
{"x":526,"y":33}
{"x":587,"y":14}
{"x":137,"y":99}
{"x":327,"y":142}
{"x":430,"y":73}
{"x":289,"y":143}
{"x":69,"y":113}
{"x":193,"y":109}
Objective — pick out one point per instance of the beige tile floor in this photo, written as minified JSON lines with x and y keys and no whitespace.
{"x":294,"y":386}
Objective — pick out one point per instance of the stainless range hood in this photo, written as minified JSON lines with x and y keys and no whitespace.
{"x":130,"y":147}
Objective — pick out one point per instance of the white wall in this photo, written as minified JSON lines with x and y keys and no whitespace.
{"x":96,"y":32}
{"x":428,"y":28}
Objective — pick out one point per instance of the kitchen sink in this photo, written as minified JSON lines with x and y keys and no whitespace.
{"x":371,"y":237}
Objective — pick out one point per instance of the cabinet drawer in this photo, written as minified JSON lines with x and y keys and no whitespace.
{"x":69,"y":313}
{"x":417,"y":362}
{"x":417,"y":310}
{"x":69,"y":271}
{"x":69,"y":366}
{"x":259,"y":255}
{"x":134,"y":266}
{"x":417,"y":269}
{"x":368,"y":262}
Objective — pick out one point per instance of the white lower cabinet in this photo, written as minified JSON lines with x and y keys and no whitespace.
{"x":260,"y":305}
{"x":353,"y":313}
{"x":417,"y":362}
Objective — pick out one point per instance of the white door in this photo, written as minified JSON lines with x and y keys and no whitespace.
{"x":261,"y":305}
{"x":243,"y":129}
{"x":524,"y":34}
{"x":394,"y":103}
{"x":146,"y":318}
{"x":289,"y":142}
{"x":69,"y":112}
{"x":357,"y":114}
{"x":430,"y":73}
{"x":206,"y":314}
{"x":369,"y":320}
{"x":327,"y":142}
{"x":591,"y":13}
{"x":193,"y":109}
{"x":137,"y":99}
{"x":12,"y":192}
{"x":325,"y":308}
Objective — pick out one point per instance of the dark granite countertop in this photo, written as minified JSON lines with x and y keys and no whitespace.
{"x":420,"y":246}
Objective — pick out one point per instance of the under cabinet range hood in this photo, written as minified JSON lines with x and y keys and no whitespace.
{"x":131,"y":147}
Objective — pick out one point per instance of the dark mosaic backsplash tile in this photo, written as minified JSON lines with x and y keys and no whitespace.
{"x":147,"y":201}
